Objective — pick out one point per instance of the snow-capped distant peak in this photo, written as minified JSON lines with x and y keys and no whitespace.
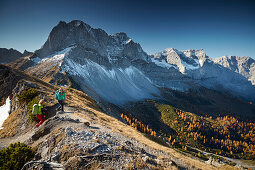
{"x":184,"y":59}
{"x":169,"y":50}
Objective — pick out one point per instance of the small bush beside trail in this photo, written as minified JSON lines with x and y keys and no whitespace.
{"x":27,"y":95}
{"x":15,"y":156}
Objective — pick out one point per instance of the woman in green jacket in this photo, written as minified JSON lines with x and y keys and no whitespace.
{"x":61,"y":97}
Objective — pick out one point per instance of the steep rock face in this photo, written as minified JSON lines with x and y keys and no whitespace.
{"x":164,"y":76}
{"x":242,"y":65}
{"x":8,"y":80}
{"x":9,"y":55}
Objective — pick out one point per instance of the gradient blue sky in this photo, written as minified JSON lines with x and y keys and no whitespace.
{"x":220,"y":27}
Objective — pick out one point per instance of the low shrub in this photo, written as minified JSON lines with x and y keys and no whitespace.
{"x":27,"y":95}
{"x":15,"y":156}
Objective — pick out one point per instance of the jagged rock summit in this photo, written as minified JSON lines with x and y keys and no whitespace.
{"x":183,"y":60}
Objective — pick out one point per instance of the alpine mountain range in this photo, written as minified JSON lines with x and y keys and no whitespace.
{"x":115,"y":69}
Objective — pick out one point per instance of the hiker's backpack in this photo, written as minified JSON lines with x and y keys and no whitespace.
{"x":35,"y":109}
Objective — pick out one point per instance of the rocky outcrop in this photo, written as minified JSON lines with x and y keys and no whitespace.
{"x":18,"y":121}
{"x":27,"y":53}
{"x":13,"y":83}
{"x":8,"y":80}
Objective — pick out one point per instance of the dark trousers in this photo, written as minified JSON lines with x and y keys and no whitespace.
{"x":61,"y":102}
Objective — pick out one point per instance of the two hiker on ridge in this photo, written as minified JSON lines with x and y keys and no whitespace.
{"x":39,"y":111}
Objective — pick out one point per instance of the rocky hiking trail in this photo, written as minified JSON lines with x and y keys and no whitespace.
{"x":79,"y":138}
{"x":94,"y":142}
{"x":99,"y":142}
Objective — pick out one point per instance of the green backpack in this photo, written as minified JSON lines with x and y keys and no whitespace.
{"x":35,"y":109}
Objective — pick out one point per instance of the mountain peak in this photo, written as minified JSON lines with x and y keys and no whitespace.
{"x":170,"y":50}
{"x":120,"y":37}
{"x":184,"y":59}
{"x":76,"y":23}
{"x":231,"y":57}
{"x":83,"y":35}
{"x":123,"y":34}
{"x":26,"y":53}
{"x":61,"y":22}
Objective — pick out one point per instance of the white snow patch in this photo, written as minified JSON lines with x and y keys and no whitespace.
{"x":189,"y":66}
{"x":116,"y":85}
{"x":201,"y":62}
{"x":4,"y":111}
{"x":162,"y":63}
{"x":56,"y":57}
{"x":36,"y":60}
{"x":127,"y":41}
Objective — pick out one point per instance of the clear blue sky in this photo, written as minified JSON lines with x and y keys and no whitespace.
{"x":220,"y":27}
